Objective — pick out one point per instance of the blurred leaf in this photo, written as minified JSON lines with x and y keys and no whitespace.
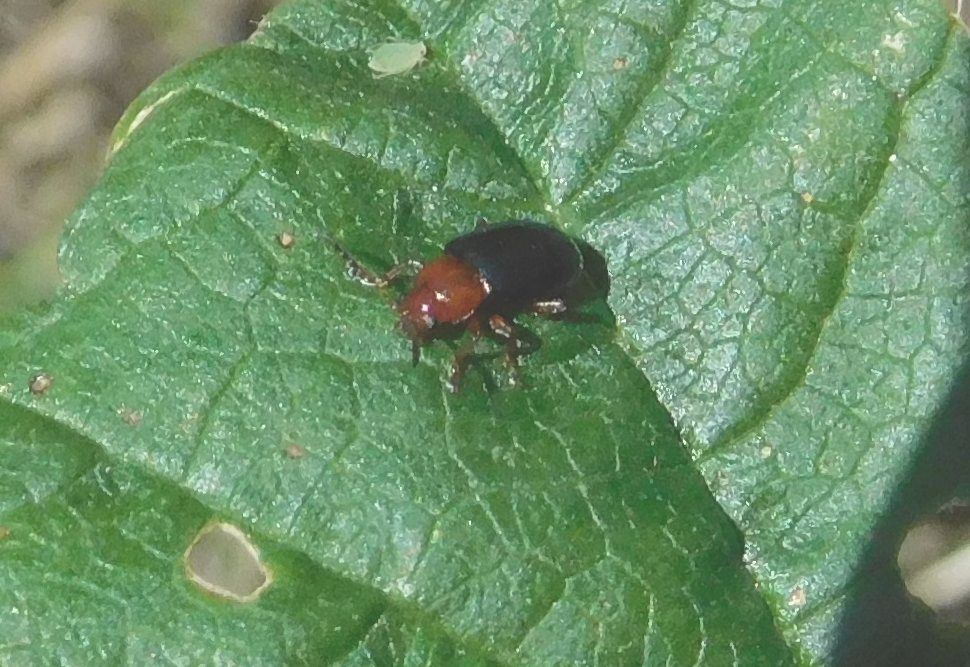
{"x":781,"y":196}
{"x":29,"y":276}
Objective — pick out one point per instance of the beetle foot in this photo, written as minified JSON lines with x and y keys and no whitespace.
{"x":501,"y":327}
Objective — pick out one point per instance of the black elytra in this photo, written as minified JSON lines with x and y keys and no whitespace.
{"x":524,"y":262}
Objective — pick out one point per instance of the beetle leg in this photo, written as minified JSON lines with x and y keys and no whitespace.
{"x":503,"y":328}
{"x":462,"y":355}
{"x":481,"y":224}
{"x":549,"y":308}
{"x":368,"y":277}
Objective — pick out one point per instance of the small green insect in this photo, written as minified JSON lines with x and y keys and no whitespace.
{"x":396,"y":58}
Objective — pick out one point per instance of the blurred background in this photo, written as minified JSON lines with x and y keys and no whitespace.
{"x":68,"y":69}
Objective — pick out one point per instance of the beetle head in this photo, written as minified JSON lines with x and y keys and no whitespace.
{"x":417,"y":314}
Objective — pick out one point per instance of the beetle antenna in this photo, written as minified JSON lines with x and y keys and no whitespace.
{"x":356,"y":269}
{"x":363,"y":274}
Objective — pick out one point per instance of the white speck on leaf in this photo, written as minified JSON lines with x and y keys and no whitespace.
{"x":902,"y":18}
{"x":895,"y":42}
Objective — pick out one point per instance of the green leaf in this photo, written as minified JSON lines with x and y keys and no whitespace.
{"x":781,"y":194}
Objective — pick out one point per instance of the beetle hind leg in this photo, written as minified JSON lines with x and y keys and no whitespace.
{"x":556,"y":309}
{"x":549,"y":308}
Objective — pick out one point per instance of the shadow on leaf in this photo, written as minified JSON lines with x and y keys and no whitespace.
{"x":883,"y":624}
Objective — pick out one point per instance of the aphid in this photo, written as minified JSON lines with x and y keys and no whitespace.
{"x":396,"y":58}
{"x":482,"y":281}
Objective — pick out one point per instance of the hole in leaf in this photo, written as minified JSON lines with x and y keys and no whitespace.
{"x":221,"y":560}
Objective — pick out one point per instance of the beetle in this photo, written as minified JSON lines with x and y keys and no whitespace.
{"x":481,"y":282}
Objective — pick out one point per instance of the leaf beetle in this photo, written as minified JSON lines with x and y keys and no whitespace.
{"x":481,"y":282}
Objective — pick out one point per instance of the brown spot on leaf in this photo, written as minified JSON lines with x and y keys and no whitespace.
{"x":286,"y":240}
{"x":295,"y":451}
{"x":40,"y":383}
{"x":130,"y":417}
